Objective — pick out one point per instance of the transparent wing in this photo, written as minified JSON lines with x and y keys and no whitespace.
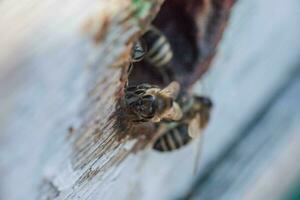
{"x":173,"y":113}
{"x":171,"y":90}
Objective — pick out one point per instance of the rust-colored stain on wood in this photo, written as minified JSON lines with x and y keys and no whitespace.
{"x":98,"y":134}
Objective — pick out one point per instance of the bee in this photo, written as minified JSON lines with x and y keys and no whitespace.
{"x":147,"y":102}
{"x":174,"y":135}
{"x":154,"y":47}
{"x":159,"y":51}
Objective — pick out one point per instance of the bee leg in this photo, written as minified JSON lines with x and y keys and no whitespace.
{"x":129,"y":70}
{"x":130,"y":67}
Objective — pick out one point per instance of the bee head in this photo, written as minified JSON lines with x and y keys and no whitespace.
{"x":203,"y":103}
{"x":146,"y":106}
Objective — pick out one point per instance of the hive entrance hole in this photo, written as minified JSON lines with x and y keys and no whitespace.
{"x":176,"y":22}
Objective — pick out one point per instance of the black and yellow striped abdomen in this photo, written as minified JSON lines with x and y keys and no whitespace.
{"x":175,"y":138}
{"x":159,"y":49}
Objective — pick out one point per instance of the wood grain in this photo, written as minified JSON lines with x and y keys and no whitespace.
{"x":58,"y":90}
{"x":58,"y":83}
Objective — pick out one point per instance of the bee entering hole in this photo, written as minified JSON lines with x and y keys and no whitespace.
{"x":181,"y":42}
{"x":169,"y":46}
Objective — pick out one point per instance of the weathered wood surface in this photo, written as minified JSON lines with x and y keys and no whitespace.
{"x":44,"y":92}
{"x":51,"y":82}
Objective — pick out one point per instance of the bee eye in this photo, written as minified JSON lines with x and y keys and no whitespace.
{"x":207,"y":102}
{"x":138,"y":51}
{"x":148,"y":97}
{"x":204,"y":101}
{"x":147,"y":102}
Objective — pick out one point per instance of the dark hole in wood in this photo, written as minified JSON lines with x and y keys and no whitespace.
{"x":193,"y":28}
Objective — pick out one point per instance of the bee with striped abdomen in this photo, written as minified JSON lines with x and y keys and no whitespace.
{"x":159,"y":49}
{"x":147,"y":102}
{"x":155,"y":49}
{"x":174,"y":135}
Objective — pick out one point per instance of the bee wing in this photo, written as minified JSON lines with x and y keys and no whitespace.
{"x":171,"y":90}
{"x":156,"y":119}
{"x":173,"y":113}
{"x":194,"y":128}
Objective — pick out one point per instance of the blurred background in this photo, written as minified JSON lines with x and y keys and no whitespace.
{"x":251,"y":147}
